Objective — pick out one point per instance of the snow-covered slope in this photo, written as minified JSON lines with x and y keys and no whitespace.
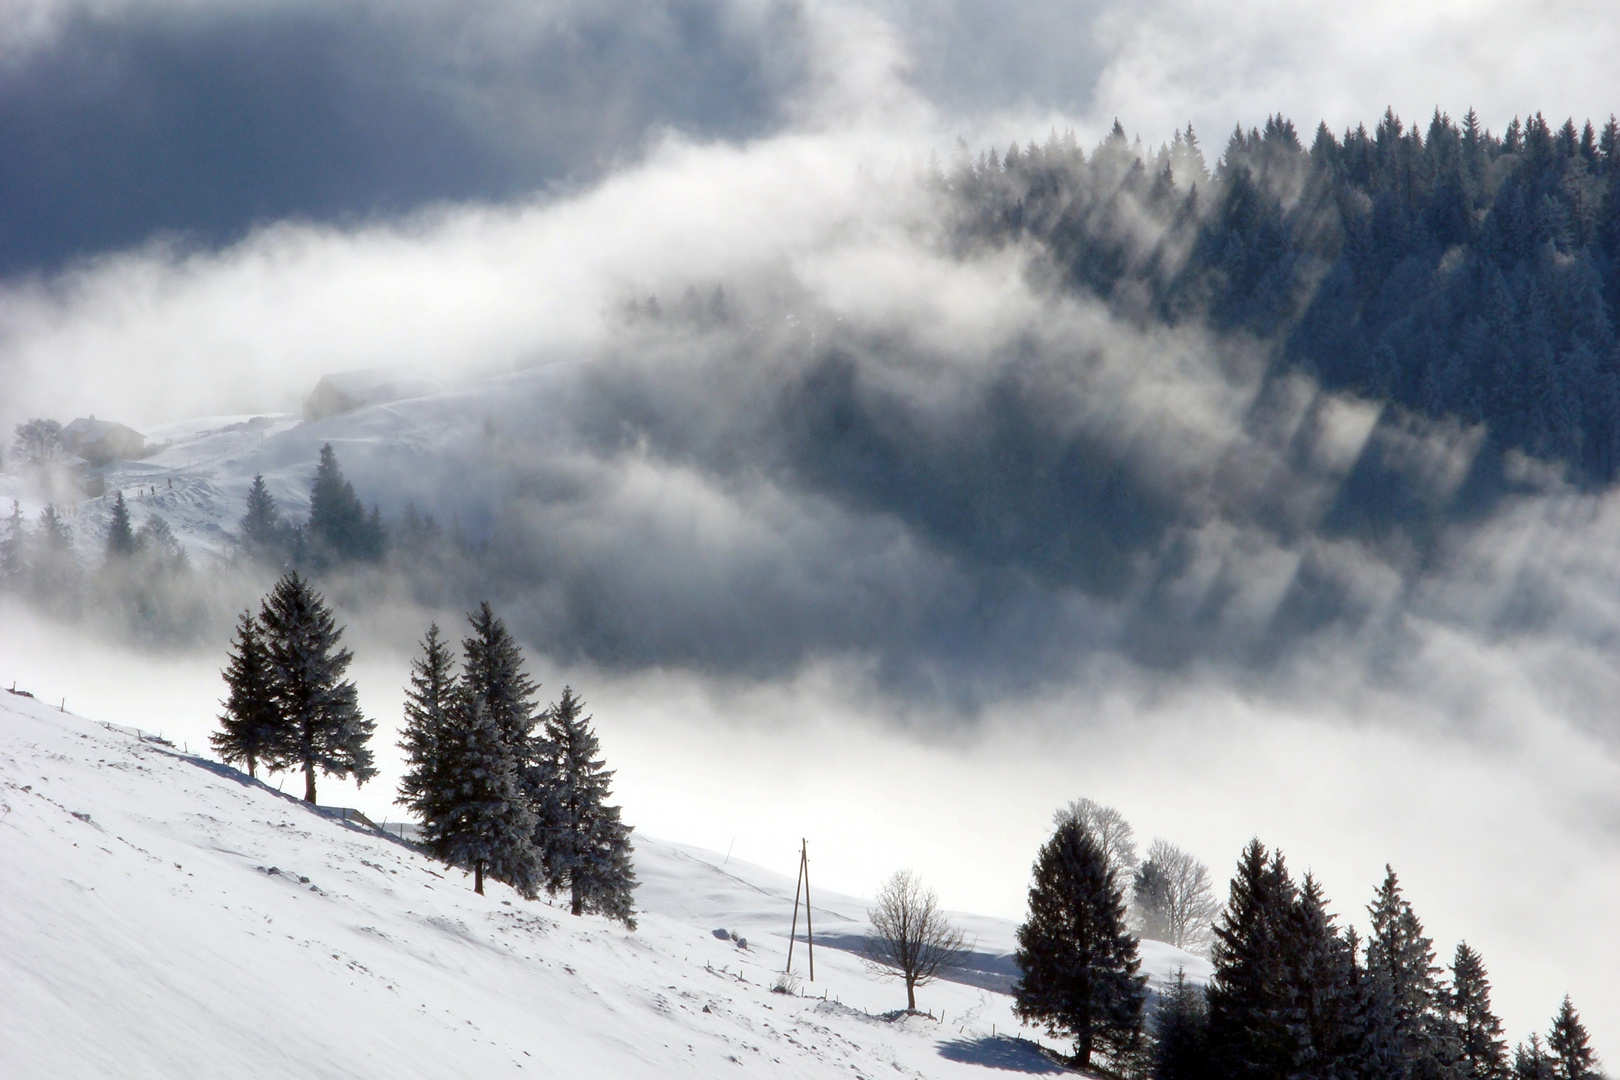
{"x":438,"y":450}
{"x":165,"y":917}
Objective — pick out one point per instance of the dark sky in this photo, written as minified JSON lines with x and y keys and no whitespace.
{"x":119,"y":120}
{"x":204,"y":125}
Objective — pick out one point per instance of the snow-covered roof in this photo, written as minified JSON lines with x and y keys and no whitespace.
{"x":347,"y":390}
{"x":99,"y":441}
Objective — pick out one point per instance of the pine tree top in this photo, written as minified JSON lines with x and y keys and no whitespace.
{"x":492,"y":671}
{"x":1569,"y":1047}
{"x":120,"y":537}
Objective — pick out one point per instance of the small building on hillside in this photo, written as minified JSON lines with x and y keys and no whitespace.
{"x":350,"y":390}
{"x":101,"y":441}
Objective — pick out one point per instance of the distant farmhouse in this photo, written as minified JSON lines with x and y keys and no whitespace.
{"x":101,"y":441}
{"x":350,"y":390}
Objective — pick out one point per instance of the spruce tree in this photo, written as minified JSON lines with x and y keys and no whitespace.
{"x":1407,"y":1038}
{"x":52,"y":564}
{"x":322,"y":725}
{"x":158,"y":548}
{"x":1569,"y":1051}
{"x":585,"y":846}
{"x":1252,"y":1023}
{"x":1479,"y":1032}
{"x":13,"y":549}
{"x":261,"y":533}
{"x":250,"y":729}
{"x":120,"y":537}
{"x":1326,"y":1016}
{"x":473,"y":809}
{"x":1078,"y":962}
{"x":492,"y":671}
{"x":339,"y":528}
{"x":1531,"y":1061}
{"x":1181,"y":1033}
{"x":53,"y":532}
{"x":427,"y":711}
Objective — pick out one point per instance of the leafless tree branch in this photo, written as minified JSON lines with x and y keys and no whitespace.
{"x":911,"y":939}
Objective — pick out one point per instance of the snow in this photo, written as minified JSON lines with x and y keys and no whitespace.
{"x":167,"y":916}
{"x":196,"y":472}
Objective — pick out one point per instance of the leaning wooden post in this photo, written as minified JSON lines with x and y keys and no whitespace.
{"x":809,"y":930}
{"x":798,"y":881}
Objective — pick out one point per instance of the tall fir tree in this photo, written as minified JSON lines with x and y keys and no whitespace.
{"x":1407,"y":1034}
{"x":13,"y":547}
{"x":1252,"y":1023}
{"x":251,"y":729}
{"x":1326,"y":1017}
{"x":1479,"y":1032}
{"x":1286,"y":1000}
{"x":261,"y":533}
{"x":1181,"y":1033}
{"x":473,"y":808}
{"x":52,"y":530}
{"x":120,"y":537}
{"x":1531,"y":1061}
{"x":1569,"y":1049}
{"x":492,"y":671}
{"x":427,"y":717}
{"x":53,"y":570}
{"x":493,"y":674}
{"x":463,"y":778}
{"x":585,"y":846}
{"x":339,"y":528}
{"x":1078,"y":962}
{"x":323,"y":728}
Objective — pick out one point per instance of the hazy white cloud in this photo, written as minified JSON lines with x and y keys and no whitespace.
{"x":160,"y":334}
{"x":1176,"y":61}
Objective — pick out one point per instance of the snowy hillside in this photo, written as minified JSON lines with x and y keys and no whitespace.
{"x":197,"y":472}
{"x":167,"y":917}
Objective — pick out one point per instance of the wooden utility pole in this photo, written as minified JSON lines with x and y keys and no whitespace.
{"x":809,"y":930}
{"x":793,"y":933}
{"x":802,"y":882}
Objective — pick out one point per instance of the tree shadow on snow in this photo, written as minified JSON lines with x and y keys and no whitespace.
{"x":999,"y":1052}
{"x":996,"y":972}
{"x":227,"y":772}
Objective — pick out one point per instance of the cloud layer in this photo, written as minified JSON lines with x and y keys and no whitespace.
{"x":128,"y":119}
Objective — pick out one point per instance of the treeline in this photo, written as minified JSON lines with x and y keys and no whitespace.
{"x":1294,"y":995}
{"x":501,"y":788}
{"x":138,"y":576}
{"x":338,"y":529}
{"x":1447,"y":269}
{"x":142,"y":578}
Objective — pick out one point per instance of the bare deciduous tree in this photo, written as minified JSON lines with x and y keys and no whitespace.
{"x":1173,"y":899}
{"x":1109,"y":829}
{"x":38,"y":442}
{"x":911,"y":939}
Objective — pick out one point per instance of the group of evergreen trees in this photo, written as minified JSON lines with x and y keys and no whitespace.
{"x":504,"y":790}
{"x":1293,"y":995}
{"x":500,"y":788}
{"x":138,"y":571}
{"x":339,"y":528}
{"x":288,"y":704}
{"x":1448,"y":270}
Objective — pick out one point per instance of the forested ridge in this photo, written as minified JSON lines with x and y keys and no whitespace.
{"x":1448,"y":270}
